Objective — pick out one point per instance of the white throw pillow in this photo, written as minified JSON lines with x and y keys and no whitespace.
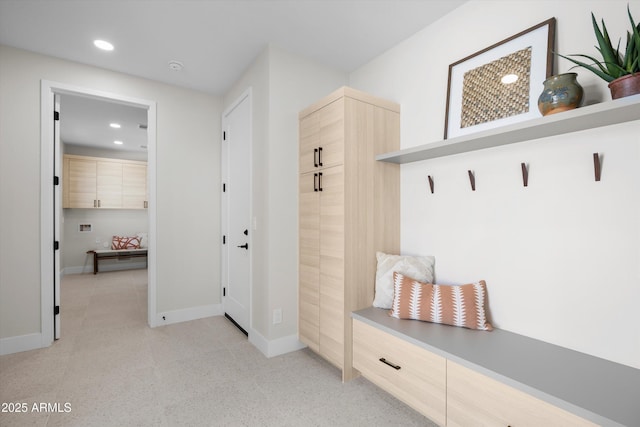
{"x":144,"y":240}
{"x":419,"y":268}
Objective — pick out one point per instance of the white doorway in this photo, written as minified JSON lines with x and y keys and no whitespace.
{"x":237,"y":229}
{"x":57,"y":215}
{"x":51,"y":209}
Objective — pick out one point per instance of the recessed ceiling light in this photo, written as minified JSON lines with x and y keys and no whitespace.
{"x":115,"y":125}
{"x":118,"y":142}
{"x":104,"y":45}
{"x":509,"y":78}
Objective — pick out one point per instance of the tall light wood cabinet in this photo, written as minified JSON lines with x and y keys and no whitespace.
{"x":348,"y":210}
{"x":95,"y":182}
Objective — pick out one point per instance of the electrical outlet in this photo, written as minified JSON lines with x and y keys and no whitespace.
{"x":277,"y":316}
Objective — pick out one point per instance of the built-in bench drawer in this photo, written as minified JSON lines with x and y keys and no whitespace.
{"x":474,"y":399}
{"x":412,"y":374}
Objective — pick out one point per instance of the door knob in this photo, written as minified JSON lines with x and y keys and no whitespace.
{"x":246,"y":246}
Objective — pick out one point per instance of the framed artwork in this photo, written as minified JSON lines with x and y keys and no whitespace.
{"x":500,"y":85}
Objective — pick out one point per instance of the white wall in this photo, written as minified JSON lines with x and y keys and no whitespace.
{"x":188,"y":182}
{"x":295,"y":83}
{"x":560,"y":257}
{"x":283,"y":84}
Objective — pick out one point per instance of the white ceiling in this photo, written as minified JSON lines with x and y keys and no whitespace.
{"x":85,"y":121}
{"x":216,"y":40}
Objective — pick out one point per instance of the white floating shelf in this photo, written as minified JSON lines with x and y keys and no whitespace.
{"x":593,"y":116}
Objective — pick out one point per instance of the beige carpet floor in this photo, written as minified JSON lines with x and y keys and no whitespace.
{"x":110,"y":369}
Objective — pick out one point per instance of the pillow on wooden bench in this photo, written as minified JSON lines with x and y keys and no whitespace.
{"x":419,"y":267}
{"x":457,"y":305}
{"x":122,"y":242}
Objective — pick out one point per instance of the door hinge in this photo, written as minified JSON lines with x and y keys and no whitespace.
{"x":224,"y":292}
{"x":56,"y":310}
{"x":224,"y":240}
{"x":56,"y":116}
{"x":56,"y":180}
{"x":56,"y":245}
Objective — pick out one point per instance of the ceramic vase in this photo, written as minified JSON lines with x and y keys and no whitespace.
{"x":561,"y":93}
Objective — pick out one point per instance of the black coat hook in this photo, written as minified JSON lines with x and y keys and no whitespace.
{"x":525,"y":174}
{"x":472,"y":180}
{"x":431,"y":183}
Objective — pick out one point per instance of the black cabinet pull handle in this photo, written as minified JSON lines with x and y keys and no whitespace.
{"x":315,"y":157}
{"x":320,"y":156}
{"x":315,"y":182}
{"x":320,"y":180}
{"x":396,"y":367}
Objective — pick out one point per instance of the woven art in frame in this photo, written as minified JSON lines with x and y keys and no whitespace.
{"x":480,"y":95}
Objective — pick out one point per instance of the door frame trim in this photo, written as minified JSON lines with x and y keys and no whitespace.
{"x":47,"y":90}
{"x":224,"y":270}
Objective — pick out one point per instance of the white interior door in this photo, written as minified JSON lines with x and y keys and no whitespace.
{"x":236,"y":212}
{"x":57,"y":216}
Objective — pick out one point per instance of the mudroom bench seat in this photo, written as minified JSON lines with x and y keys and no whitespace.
{"x":457,"y":377}
{"x":99,"y":254}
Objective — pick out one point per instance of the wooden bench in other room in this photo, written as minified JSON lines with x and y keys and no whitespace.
{"x":116,"y":254}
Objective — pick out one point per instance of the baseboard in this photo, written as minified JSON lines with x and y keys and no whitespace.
{"x":106,"y":267}
{"x":20,"y":343}
{"x":76,"y":270}
{"x":187,"y":314}
{"x":274,"y":347}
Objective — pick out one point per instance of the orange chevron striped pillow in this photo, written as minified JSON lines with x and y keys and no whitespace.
{"x":123,"y":242}
{"x":457,"y":305}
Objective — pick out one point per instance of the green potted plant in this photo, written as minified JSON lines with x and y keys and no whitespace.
{"x":620,"y":69}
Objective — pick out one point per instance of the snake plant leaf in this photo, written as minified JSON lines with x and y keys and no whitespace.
{"x":600,"y":71}
{"x":635,"y":40}
{"x":606,"y":49}
{"x":616,"y":62}
{"x":628,"y":56}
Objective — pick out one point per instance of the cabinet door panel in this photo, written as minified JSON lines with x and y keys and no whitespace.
{"x":82,"y":183}
{"x":134,"y":186}
{"x":309,"y":269}
{"x":109,"y":184}
{"x":332,"y":130}
{"x":474,"y":399}
{"x":332,"y":309}
{"x":309,"y":141}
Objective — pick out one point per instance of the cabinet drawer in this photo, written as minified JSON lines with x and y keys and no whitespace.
{"x":475,"y":399}
{"x":420,"y":381}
